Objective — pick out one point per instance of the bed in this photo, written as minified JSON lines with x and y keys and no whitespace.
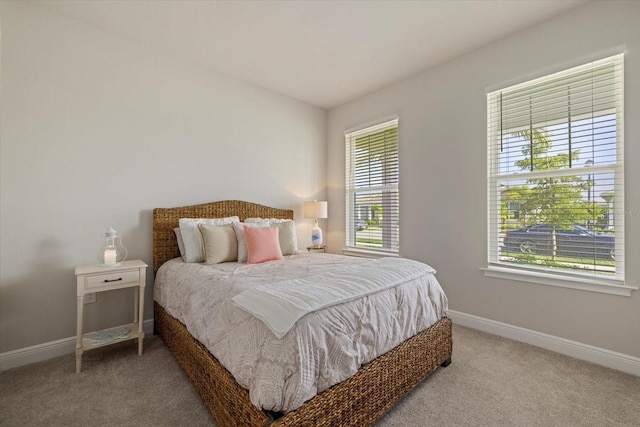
{"x":359,"y":400}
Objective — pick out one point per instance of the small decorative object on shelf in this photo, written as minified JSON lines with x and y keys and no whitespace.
{"x":113,"y":251}
{"x":105,"y":336}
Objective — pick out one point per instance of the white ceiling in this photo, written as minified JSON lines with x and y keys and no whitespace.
{"x":324,"y":53}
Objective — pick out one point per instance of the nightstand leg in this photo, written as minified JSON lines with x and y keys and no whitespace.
{"x":141,"y":316}
{"x":79,"y":349}
{"x":136,"y":303}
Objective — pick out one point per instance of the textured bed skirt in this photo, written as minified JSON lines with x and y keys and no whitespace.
{"x":357,"y":401}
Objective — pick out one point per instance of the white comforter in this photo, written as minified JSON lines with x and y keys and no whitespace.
{"x":323,"y":348}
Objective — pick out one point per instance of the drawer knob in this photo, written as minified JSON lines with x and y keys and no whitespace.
{"x":113,"y":280}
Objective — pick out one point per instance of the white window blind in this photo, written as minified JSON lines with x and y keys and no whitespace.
{"x":372,"y":200}
{"x":555,"y":173}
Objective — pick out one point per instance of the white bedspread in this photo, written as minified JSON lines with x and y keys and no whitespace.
{"x":281,"y":304}
{"x":323,"y":348}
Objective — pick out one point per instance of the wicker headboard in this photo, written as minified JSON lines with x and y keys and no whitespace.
{"x":165,"y":220}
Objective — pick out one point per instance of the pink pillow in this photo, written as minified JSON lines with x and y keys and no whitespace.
{"x":262,"y":244}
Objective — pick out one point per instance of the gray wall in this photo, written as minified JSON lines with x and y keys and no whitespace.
{"x":442,"y":119}
{"x":96,"y":132}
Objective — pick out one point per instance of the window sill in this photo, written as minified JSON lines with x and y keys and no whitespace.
{"x":613,"y":287}
{"x":365,"y":253}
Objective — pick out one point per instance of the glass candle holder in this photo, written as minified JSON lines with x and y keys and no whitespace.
{"x":113,"y":251}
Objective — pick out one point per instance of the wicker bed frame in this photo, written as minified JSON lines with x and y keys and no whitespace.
{"x":357,"y":401}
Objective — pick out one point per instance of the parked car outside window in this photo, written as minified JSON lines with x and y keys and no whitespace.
{"x":361,"y":224}
{"x":577,"y":242}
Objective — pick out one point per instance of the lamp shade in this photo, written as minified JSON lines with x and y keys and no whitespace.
{"x":315,"y":209}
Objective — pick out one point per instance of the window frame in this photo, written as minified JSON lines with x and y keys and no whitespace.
{"x":351,"y":248}
{"x":571,"y":279}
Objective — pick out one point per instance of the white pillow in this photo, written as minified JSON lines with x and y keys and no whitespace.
{"x":254,"y":220}
{"x":180,"y":242}
{"x":287,"y":233}
{"x":219,"y":243}
{"x":242,"y":241}
{"x":193,"y":239}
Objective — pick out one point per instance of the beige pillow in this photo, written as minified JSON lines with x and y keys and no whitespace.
{"x":192,"y":238}
{"x":286,"y":236}
{"x":219,"y":243}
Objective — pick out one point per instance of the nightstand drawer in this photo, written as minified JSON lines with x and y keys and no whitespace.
{"x":116,"y":277}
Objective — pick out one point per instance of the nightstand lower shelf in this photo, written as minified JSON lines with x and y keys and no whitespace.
{"x":88,"y":344}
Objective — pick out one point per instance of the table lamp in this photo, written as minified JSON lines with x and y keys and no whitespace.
{"x":315,"y":210}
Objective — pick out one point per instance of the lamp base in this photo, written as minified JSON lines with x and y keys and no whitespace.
{"x":316,"y":236}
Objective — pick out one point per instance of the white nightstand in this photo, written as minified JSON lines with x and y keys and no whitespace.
{"x":95,"y":278}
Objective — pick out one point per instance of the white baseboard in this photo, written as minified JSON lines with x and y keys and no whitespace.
{"x":600,"y":356}
{"x":49,"y":350}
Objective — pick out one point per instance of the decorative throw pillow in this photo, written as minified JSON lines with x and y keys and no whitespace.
{"x":238,"y":227}
{"x":193,"y":239}
{"x":262,"y":244}
{"x":219,"y":243}
{"x":287,"y":236}
{"x":180,"y":242}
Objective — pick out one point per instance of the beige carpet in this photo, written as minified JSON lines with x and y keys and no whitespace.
{"x":491,"y":382}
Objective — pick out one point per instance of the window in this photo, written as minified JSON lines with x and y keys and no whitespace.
{"x":555,"y":175}
{"x":372,"y":201}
